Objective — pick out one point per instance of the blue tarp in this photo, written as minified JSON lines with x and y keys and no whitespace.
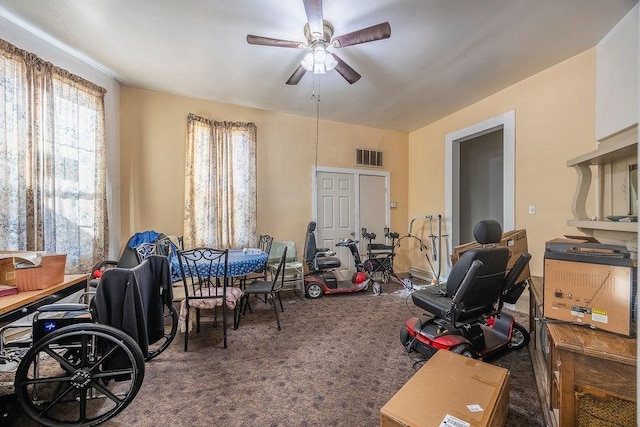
{"x":143,"y":237}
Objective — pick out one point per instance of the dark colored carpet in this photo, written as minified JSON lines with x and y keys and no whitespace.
{"x":336,"y":362}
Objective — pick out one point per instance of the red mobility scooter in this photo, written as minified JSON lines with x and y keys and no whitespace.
{"x":321,"y":263}
{"x":465,"y":314}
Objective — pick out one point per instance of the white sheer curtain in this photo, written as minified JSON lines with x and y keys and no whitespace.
{"x":53,"y":160}
{"x":220,"y":184}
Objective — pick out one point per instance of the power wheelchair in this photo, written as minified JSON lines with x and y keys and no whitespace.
{"x":84,"y":363}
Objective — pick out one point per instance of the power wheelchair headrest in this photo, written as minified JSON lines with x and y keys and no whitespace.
{"x":311,"y":227}
{"x":487,"y":231}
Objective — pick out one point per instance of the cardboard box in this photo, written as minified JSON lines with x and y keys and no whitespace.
{"x":589,"y":284}
{"x":454,"y":388}
{"x":515,"y":240}
{"x":30,"y":271}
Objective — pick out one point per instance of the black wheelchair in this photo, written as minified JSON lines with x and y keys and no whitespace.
{"x":85,"y":363}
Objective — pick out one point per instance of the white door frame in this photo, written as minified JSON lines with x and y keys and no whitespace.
{"x":356,"y":173}
{"x":505,"y":121}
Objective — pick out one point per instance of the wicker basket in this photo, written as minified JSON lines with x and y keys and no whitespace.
{"x":601,"y":411}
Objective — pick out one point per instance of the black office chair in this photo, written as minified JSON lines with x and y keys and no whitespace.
{"x":317,"y":258}
{"x":455,"y":303}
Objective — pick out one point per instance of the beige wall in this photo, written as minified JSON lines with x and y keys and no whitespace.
{"x":554,"y":114}
{"x":153,"y":132}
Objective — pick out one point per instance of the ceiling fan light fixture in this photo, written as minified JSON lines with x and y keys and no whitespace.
{"x":330,"y":62}
{"x":319,"y":61}
{"x":319,"y":68}
{"x":319,"y":54}
{"x":307,"y":62}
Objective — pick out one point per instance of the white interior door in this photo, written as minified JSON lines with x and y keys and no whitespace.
{"x":336,"y":213}
{"x":345,"y":201}
{"x":373,"y":211}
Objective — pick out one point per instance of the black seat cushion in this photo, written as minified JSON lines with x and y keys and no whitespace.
{"x":325,"y":263}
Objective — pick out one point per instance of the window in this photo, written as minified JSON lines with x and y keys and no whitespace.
{"x":53,"y":154}
{"x":220,"y":184}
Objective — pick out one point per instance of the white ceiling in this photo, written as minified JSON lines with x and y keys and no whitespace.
{"x":442,"y":55}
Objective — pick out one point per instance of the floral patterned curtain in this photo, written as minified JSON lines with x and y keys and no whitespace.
{"x":52,"y":147}
{"x":220,"y":184}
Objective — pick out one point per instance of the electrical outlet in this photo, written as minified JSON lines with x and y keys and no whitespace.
{"x":532,"y":209}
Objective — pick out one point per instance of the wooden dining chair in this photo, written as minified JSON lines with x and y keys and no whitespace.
{"x":270,"y":289}
{"x":206,"y":286}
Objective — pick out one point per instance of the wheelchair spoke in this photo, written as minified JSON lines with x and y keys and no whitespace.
{"x":79,"y":382}
{"x":55,"y":401}
{"x":61,"y":360}
{"x":106,"y":392}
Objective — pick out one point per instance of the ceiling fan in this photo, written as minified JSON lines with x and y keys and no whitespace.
{"x":319,"y":35}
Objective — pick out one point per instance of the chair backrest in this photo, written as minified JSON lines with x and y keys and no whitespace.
{"x":129,"y":257}
{"x":278,"y":277}
{"x":278,"y":247}
{"x":483,"y":292}
{"x":310,"y":247}
{"x":169,"y":245}
{"x":145,"y":250}
{"x":204,"y":272}
{"x":265,"y":242}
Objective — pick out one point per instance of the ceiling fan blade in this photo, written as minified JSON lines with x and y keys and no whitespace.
{"x":296,"y":76}
{"x":369,"y":34}
{"x":314,"y":15}
{"x":267,"y":41}
{"x":346,"y":71}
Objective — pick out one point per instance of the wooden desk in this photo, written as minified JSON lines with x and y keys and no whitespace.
{"x":14,"y":307}
{"x":576,"y":358}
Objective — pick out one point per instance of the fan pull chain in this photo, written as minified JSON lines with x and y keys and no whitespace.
{"x":316,"y":98}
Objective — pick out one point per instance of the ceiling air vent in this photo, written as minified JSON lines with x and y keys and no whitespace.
{"x":368,"y":158}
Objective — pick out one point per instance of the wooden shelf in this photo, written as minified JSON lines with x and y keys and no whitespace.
{"x":631,"y":227}
{"x":616,"y":150}
{"x":609,"y":153}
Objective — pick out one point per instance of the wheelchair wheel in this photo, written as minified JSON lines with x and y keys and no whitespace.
{"x":519,"y":337}
{"x":9,"y":409}
{"x":170,"y":330}
{"x":465,"y":350}
{"x":404,"y":337}
{"x":80,"y":375}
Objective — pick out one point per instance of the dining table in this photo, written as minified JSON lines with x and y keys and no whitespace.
{"x":240,"y":262}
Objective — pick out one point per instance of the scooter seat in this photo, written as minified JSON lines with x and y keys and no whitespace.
{"x":439,"y":305}
{"x":327,"y":263}
{"x":433,"y":301}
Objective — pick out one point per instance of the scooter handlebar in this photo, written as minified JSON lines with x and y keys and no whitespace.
{"x":347,"y":242}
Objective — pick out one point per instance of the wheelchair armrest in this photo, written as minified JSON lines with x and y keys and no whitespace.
{"x":468,"y":279}
{"x":50,"y":308}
